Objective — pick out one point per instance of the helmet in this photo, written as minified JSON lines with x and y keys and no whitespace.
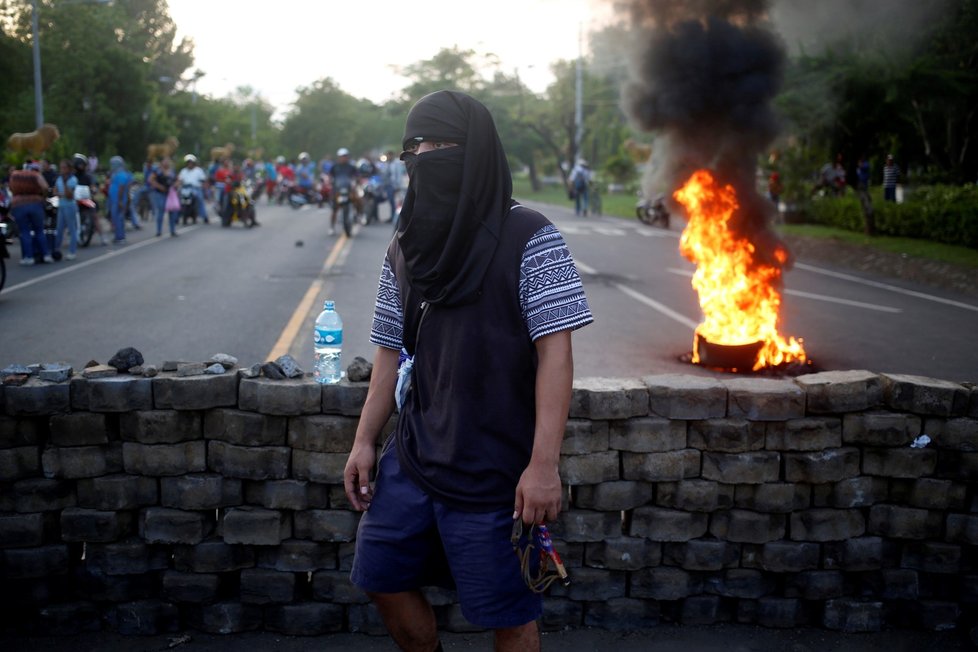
{"x":280,"y":160}
{"x":342,"y":151}
{"x":189,"y":158}
{"x":304,"y":156}
{"x":116,"y":162}
{"x":78,"y":161}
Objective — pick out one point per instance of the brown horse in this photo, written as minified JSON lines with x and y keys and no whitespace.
{"x":221,"y":153}
{"x":35,"y":142}
{"x":162,"y":150}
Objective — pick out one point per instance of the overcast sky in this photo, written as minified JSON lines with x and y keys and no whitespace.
{"x":278,"y":46}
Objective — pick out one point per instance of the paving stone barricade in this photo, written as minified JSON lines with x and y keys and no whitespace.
{"x":150,"y":505}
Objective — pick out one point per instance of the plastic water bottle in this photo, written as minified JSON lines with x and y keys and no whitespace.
{"x":328,"y":343}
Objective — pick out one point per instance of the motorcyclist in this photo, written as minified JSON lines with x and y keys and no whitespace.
{"x":305,"y":174}
{"x":343,"y":173}
{"x":193,"y":176}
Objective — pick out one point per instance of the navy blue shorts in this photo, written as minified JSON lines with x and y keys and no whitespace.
{"x":406,"y":541}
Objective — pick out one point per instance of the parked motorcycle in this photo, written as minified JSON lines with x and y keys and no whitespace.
{"x":87,"y":216}
{"x":299,"y":196}
{"x":653,"y":212}
{"x":374,"y":194}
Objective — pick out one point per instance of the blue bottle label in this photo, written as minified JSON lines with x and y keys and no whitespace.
{"x":325,"y":337}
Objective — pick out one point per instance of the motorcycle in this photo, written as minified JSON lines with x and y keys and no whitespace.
{"x":188,"y":205}
{"x":653,"y":212}
{"x":240,"y":207}
{"x":86,"y":215}
{"x":299,"y":197}
{"x":374,"y":194}
{"x":344,"y":201}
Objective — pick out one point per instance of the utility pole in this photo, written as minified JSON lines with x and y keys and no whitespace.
{"x":38,"y":95}
{"x":579,"y":98}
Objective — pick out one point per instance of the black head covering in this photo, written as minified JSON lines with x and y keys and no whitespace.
{"x":457,"y":198}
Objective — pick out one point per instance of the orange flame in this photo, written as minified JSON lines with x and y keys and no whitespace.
{"x":739,"y":295}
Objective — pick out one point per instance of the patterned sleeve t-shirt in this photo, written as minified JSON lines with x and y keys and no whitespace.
{"x":551,"y":294}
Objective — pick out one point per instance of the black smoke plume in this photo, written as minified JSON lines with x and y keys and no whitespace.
{"x":703,"y":75}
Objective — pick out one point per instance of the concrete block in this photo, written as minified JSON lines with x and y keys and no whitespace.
{"x":745,"y":583}
{"x":773,"y":497}
{"x":336,"y":587}
{"x":264,"y":586}
{"x":664,"y":583}
{"x":837,"y":392}
{"x":194,"y":588}
{"x":623,"y":553}
{"x":326,"y":525}
{"x":164,"y":459}
{"x":19,"y":462}
{"x":212,"y":556}
{"x":661,"y":467}
{"x":364,"y":618}
{"x":807,"y":434}
{"x":744,"y":526}
{"x":117,"y":492}
{"x":622,"y":614}
{"x":119,"y":394}
{"x":200,"y":491}
{"x":899,"y":584}
{"x":648,"y":435}
{"x":226,"y":617}
{"x":130,"y":556}
{"x":79,"y":429}
{"x":82,"y":461}
{"x":742,"y":468}
{"x":701,"y":554}
{"x":165,"y":525}
{"x":960,"y":434}
{"x":613,"y":495}
{"x":899,"y":462}
{"x":295,"y":495}
{"x":582,"y":436}
{"x":852,"y":615}
{"x":962,"y":528}
{"x":815,"y":585}
{"x":686,"y":397}
{"x":248,"y":462}
{"x":579,"y":525}
{"x":93,"y":525}
{"x":880,"y":429}
{"x":299,"y":556}
{"x":592,"y":584}
{"x":820,"y":524}
{"x":245,"y":428}
{"x":22,"y":431}
{"x":42,"y":561}
{"x":319,"y":467}
{"x":195,"y":392}
{"x":862,"y":491}
{"x":36,"y":398}
{"x":21,"y":530}
{"x":661,"y":524}
{"x":42,"y":495}
{"x":160,"y":426}
{"x":764,"y":399}
{"x":926,"y":396}
{"x":560,"y":614}
{"x":932,"y":557}
{"x":783,"y":556}
{"x":781,"y":613}
{"x":290,"y":397}
{"x":344,"y":398}
{"x":938,"y":615}
{"x":144,"y":618}
{"x":609,"y":398}
{"x":322,"y":433}
{"x":589,"y":469}
{"x":255,"y":526}
{"x":68,"y":618}
{"x":695,"y":495}
{"x":305,"y":618}
{"x":854,"y":555}
{"x":729,"y":435}
{"x":820,"y":467}
{"x":702,"y":610}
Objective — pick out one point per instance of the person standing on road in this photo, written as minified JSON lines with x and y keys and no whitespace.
{"x":482,"y":294}
{"x":27,"y":192}
{"x":118,"y":197}
{"x":65,"y":186}
{"x":161,"y":181}
{"x":580,"y":180}
{"x":891,"y":174}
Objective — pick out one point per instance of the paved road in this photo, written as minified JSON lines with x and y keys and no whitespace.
{"x":254,"y":294}
{"x":663,"y":638}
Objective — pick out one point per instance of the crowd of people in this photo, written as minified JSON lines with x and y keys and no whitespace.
{"x":125,"y":200}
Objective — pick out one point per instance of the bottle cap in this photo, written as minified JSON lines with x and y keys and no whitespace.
{"x":328,"y":305}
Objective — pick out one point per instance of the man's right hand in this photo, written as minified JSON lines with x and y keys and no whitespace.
{"x":356,"y":476}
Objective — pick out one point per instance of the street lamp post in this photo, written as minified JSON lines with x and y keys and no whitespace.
{"x":36,"y":46}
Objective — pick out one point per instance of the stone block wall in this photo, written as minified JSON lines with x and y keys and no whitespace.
{"x":150,"y":505}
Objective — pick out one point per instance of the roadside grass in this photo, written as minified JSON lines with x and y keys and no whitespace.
{"x":623,"y":205}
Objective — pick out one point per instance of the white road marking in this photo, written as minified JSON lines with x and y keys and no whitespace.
{"x":816,"y":297}
{"x":885,"y":286}
{"x":641,"y":298}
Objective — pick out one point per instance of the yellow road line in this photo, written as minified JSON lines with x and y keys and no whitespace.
{"x":298,"y":319}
